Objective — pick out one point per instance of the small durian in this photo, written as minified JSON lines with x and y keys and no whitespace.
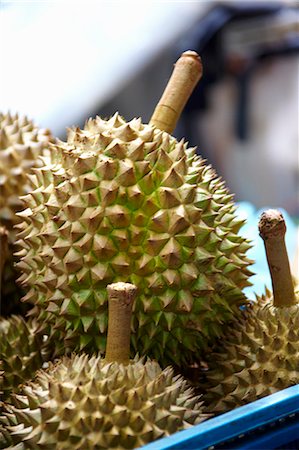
{"x":21,"y":145}
{"x":127,"y":201}
{"x":260,"y":354}
{"x":21,"y":353}
{"x":90,"y":403}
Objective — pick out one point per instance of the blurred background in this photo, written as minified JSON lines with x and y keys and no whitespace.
{"x":62,"y":62}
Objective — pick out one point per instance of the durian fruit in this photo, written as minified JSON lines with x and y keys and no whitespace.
{"x":127,"y":201}
{"x":91,"y":403}
{"x":21,"y":353}
{"x":260,"y":354}
{"x":21,"y":144}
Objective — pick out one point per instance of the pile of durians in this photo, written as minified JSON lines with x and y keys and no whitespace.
{"x":130,"y":270}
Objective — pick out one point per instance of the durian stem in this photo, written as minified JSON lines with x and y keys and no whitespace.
{"x":186,"y":74}
{"x":272,"y":229}
{"x":3,"y":249}
{"x":120,"y":302}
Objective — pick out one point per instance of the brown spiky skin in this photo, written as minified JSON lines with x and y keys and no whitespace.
{"x":127,"y":202}
{"x":259,"y":356}
{"x":21,"y":144}
{"x":87,"y":403}
{"x":21,"y":353}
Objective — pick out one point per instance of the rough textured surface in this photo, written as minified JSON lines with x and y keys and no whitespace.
{"x":21,"y":143}
{"x":21,"y":355}
{"x":126,"y":202}
{"x":85,"y":403}
{"x":259,"y":357}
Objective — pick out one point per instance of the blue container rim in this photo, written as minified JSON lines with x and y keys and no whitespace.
{"x":234,"y":423}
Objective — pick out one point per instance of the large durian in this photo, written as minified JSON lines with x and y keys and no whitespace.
{"x":127,"y":201}
{"x":260,"y":355}
{"x":90,"y":403}
{"x":22,"y":352}
{"x":21,"y":144}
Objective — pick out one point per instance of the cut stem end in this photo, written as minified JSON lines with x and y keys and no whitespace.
{"x":186,"y":74}
{"x":272,"y":229}
{"x":120,"y":302}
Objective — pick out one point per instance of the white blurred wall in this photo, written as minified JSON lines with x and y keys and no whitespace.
{"x":61,"y":60}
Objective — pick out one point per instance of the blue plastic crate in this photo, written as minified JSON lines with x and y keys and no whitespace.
{"x":269,"y":423}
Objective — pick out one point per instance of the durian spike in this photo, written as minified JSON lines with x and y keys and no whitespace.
{"x":186,"y":74}
{"x":120,"y":301}
{"x":272,"y":229}
{"x":3,"y":249}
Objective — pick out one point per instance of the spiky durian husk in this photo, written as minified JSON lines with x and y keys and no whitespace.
{"x":127,"y":202}
{"x":259,"y":357}
{"x":21,"y":352}
{"x":21,"y":144}
{"x":86,"y":403}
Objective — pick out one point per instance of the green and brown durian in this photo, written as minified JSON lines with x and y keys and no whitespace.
{"x":92,"y":403}
{"x":22,"y":353}
{"x":21,"y":145}
{"x":260,"y":354}
{"x":126,"y":201}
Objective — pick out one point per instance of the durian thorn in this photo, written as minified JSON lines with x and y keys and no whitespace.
{"x":3,"y":249}
{"x":120,"y":302}
{"x":272,"y":229}
{"x":186,"y":74}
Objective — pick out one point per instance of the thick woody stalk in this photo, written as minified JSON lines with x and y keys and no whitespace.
{"x":186,"y":74}
{"x":120,"y":301}
{"x":272,"y":229}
